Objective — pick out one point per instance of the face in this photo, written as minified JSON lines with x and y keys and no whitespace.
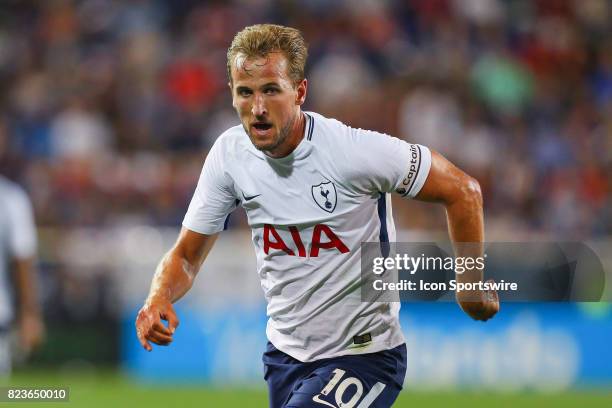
{"x":267,"y":101}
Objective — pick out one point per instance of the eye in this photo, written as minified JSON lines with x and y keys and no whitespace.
{"x":244,"y":92}
{"x":271,"y":91}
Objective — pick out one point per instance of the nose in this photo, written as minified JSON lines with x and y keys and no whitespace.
{"x":259,"y":106}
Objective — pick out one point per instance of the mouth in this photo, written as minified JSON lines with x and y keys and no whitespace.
{"x":261,"y":128}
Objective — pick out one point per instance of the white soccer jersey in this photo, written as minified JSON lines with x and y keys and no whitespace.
{"x":17,"y":239}
{"x":309,"y":212}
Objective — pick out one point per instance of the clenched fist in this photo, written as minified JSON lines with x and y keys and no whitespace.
{"x":482,"y":305}
{"x":149,"y":326}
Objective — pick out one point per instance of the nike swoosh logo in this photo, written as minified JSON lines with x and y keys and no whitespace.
{"x":249,"y":198}
{"x":320,"y":401}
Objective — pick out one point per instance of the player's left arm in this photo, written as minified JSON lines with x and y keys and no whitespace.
{"x":462,"y":198}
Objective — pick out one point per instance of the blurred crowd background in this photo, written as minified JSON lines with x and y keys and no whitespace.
{"x":108,"y":107}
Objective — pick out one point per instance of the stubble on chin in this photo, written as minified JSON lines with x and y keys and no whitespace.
{"x":281,"y":137}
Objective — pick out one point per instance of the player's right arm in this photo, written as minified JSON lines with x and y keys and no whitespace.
{"x":213,"y":200}
{"x":173,"y":277}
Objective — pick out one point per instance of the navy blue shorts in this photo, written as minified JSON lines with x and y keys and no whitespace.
{"x":357,"y":381}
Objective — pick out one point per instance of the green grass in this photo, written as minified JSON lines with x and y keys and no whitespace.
{"x":107,"y":389}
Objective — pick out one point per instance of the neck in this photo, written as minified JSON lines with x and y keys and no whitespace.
{"x":296,"y":134}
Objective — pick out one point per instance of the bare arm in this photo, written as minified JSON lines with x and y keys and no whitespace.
{"x":30,"y":323}
{"x":461,"y":196}
{"x":173,"y":278}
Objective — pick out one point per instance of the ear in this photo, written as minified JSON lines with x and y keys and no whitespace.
{"x":302,"y":89}
{"x":229,"y":84}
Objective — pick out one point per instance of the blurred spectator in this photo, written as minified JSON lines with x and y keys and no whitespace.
{"x":78,"y":134}
{"x":19,"y":305}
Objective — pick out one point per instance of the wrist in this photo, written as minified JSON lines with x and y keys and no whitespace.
{"x":159,"y":292}
{"x":469,"y":296}
{"x":157,"y":298}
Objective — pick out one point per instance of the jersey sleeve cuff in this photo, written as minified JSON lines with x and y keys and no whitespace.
{"x":203,"y":229}
{"x":418,"y":170}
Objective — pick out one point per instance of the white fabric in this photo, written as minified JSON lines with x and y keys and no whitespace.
{"x":17,"y":239}
{"x":5,"y":358}
{"x":314,"y":302}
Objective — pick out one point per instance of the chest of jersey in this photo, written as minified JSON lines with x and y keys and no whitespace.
{"x":303,"y":193}
{"x":303,"y":208}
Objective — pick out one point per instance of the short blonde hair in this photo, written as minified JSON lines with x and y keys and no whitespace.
{"x":261,"y":39}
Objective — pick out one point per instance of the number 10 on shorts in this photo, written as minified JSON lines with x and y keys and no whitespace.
{"x":349,"y":382}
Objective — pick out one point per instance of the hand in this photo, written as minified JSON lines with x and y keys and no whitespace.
{"x":31,"y":331}
{"x":482,"y":309}
{"x":149,"y":326}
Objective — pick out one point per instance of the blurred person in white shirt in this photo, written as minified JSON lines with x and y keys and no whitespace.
{"x":17,"y":277}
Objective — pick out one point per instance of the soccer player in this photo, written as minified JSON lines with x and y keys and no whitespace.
{"x":313,"y":189}
{"x":17,"y":251}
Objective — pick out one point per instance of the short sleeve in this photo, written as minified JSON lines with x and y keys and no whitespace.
{"x":22,"y":231}
{"x":214,"y":197}
{"x":388,"y":164}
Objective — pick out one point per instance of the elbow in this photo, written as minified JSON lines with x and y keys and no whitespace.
{"x":467,"y":193}
{"x":473,"y":191}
